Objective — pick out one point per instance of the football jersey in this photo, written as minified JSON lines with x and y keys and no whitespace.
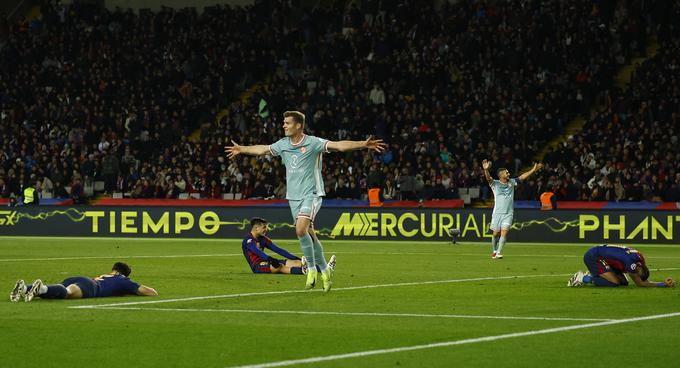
{"x":503,"y":194}
{"x":303,"y":165}
{"x":622,"y":259}
{"x":115,"y":285}
{"x":253,"y":249}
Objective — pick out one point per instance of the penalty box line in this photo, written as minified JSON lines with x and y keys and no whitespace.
{"x":283,"y":292}
{"x":365,"y":353}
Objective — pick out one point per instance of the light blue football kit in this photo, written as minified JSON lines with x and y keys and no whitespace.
{"x":504,"y":193}
{"x":501,"y":218}
{"x":304,"y":185}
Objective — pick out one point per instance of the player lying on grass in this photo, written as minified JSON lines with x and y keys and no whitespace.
{"x":254,"y":245}
{"x":114,"y":283}
{"x":607,"y":265}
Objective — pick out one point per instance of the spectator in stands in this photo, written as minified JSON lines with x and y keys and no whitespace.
{"x":259,"y":190}
{"x":4,"y":188}
{"x":407,"y":185}
{"x":427,"y":191}
{"x":215,"y":191}
{"x":46,"y":187}
{"x":389,"y":191}
{"x":438,"y":191}
{"x":452,"y":191}
{"x":375,"y":177}
{"x":78,"y":191}
{"x":110,"y":169}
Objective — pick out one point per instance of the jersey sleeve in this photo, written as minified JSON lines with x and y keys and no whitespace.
{"x":250,"y":245}
{"x":631,"y":262}
{"x":129,"y":286}
{"x":319,"y":144}
{"x":280,"y":251}
{"x":630,"y":266}
{"x":515,"y":181}
{"x":277,"y":147}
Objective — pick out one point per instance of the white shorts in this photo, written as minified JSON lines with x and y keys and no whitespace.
{"x":307,"y":207}
{"x":501,"y":221}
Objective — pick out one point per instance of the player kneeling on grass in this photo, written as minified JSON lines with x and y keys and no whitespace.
{"x":114,"y":283}
{"x":607,"y":265}
{"x":254,"y":245}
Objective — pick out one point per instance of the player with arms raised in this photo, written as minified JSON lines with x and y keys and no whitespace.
{"x":503,"y":193}
{"x":302,"y":155}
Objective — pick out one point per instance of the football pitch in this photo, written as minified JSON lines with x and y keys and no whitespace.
{"x":409,"y":304}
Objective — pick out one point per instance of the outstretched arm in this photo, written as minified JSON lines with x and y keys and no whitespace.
{"x":527,"y":174}
{"x":486,"y":165}
{"x":343,"y":146}
{"x":146,"y":291}
{"x":282,"y":252}
{"x":237,"y":149}
{"x":669,"y":283}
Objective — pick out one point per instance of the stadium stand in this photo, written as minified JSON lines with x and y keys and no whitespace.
{"x":111,"y":98}
{"x":628,"y":151}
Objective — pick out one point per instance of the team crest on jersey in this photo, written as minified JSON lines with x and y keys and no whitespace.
{"x":303,"y":149}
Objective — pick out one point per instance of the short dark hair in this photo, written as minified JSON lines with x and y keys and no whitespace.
{"x":297,"y":116}
{"x":257,"y":221}
{"x":500,"y":169}
{"x":122,"y":268}
{"x":643,"y":272}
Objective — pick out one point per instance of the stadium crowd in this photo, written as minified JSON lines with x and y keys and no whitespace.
{"x":445,"y":87}
{"x":629,"y":149}
{"x":91,"y":95}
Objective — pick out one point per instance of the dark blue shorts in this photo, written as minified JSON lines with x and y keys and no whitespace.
{"x":86,"y":285}
{"x":596,"y":264}
{"x":263,"y":266}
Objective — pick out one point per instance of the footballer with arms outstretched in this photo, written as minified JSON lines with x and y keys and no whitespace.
{"x":303,"y":156}
{"x":503,"y":193}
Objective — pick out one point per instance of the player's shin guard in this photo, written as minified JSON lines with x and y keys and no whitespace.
{"x":320,"y":257}
{"x":57,"y":291}
{"x":296,"y":271}
{"x":599,"y":281}
{"x":501,"y":243}
{"x":494,"y":243}
{"x":307,"y":246}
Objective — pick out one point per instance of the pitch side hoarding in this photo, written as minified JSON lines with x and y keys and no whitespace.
{"x":343,"y":223}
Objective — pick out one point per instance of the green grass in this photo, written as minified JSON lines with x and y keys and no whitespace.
{"x":218,"y":332}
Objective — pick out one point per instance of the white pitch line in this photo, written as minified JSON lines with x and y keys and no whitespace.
{"x":119,"y":238}
{"x":339,"y":241}
{"x":356,"y":314}
{"x":481,"y":255}
{"x":357,"y":354}
{"x":225,"y":296}
{"x":121,"y":257}
{"x":240,"y":254}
